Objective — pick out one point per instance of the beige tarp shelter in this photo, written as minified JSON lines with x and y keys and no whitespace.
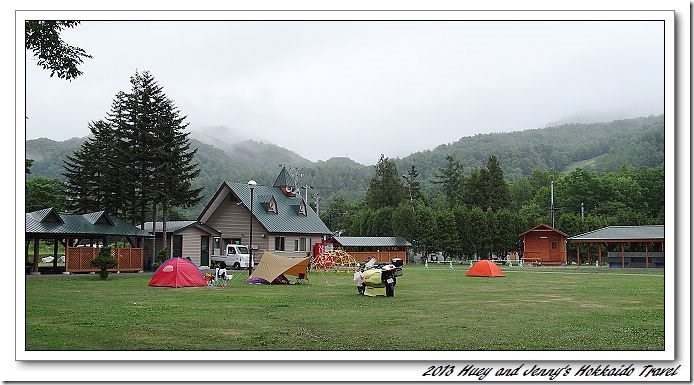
{"x":272,"y":266}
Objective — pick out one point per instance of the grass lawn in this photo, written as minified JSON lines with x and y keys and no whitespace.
{"x":434,"y":309}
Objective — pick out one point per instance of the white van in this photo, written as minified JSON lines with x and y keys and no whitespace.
{"x":234,"y":257}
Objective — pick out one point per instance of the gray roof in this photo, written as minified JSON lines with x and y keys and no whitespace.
{"x":623,"y":233}
{"x":287,"y":219}
{"x":175,"y":227}
{"x":373,"y":241}
{"x":50,"y":222}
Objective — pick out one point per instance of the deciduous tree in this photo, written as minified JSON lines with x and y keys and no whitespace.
{"x":42,"y":38}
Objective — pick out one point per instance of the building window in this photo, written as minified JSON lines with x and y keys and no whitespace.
{"x":300,"y":244}
{"x":279,"y":243}
{"x":554,"y":245}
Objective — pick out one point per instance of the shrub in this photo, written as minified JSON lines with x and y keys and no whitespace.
{"x":161,"y":257}
{"x":104,"y":261}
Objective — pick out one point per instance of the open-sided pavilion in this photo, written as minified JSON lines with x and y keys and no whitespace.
{"x":79,"y":233}
{"x":645,"y":244}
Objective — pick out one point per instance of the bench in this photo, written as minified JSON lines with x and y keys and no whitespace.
{"x":532,"y":261}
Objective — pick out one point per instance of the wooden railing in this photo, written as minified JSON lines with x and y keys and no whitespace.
{"x":77,"y":259}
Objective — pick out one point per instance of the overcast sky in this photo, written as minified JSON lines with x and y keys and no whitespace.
{"x":359,"y":88}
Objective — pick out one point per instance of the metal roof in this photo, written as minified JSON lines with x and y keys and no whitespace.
{"x":373,"y":241}
{"x":623,"y":233}
{"x":175,"y":227}
{"x":543,"y":227}
{"x":50,"y":222}
{"x":287,"y":219}
{"x":283,"y":179}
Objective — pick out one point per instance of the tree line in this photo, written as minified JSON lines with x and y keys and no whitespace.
{"x":477,"y":212}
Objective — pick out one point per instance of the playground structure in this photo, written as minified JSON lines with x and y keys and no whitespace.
{"x":334,"y":260}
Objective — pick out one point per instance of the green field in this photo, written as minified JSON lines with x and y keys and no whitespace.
{"x":434,"y":309}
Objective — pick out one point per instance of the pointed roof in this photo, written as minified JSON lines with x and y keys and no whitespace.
{"x":46,"y":215}
{"x":176,"y":227}
{"x":286,"y":219}
{"x":49,"y":222}
{"x":283,"y":179}
{"x":544,"y":227}
{"x":99,"y":217}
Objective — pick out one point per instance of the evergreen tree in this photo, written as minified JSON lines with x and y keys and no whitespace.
{"x":495,"y":188}
{"x":413,"y":185}
{"x":451,"y":179}
{"x":385,"y":188}
{"x":139,"y":157}
{"x":88,"y":172}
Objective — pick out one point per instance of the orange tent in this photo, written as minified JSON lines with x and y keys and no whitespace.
{"x":484,"y":268}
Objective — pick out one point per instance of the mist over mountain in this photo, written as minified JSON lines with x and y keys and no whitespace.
{"x":224,"y":154}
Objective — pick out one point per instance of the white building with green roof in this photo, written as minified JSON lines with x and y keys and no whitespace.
{"x":282,"y":221}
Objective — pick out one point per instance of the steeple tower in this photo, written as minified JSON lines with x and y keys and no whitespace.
{"x":284,"y":182}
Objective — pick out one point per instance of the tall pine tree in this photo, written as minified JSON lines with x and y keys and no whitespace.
{"x":385,"y":188}
{"x":139,"y":154}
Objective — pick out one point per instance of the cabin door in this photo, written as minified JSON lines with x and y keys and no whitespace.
{"x":204,"y":250}
{"x":177,"y":246}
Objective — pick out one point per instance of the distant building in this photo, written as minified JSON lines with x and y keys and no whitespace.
{"x":283,"y":222}
{"x":185,"y":239}
{"x":544,"y":245}
{"x":627,"y":246}
{"x":384,"y":249}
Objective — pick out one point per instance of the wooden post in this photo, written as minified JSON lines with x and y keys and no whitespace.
{"x":55,"y":254}
{"x":622,"y":254}
{"x":578,"y":253}
{"x":599,"y":254}
{"x":646,"y":255}
{"x":35,"y":268}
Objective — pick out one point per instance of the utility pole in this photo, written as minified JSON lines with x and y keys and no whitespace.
{"x":316,"y":196}
{"x":582,"y":212}
{"x":551,"y":204}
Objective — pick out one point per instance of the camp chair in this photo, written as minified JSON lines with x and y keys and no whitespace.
{"x":221,"y":277}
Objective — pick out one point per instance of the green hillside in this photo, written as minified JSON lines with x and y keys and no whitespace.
{"x":599,"y":147}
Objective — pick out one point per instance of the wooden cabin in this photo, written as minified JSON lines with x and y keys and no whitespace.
{"x":544,"y":245}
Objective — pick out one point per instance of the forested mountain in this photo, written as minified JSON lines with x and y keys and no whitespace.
{"x":598,"y":147}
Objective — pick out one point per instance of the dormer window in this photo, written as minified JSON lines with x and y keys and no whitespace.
{"x":302,"y":208}
{"x":268,"y":203}
{"x":299,"y":207}
{"x":272,"y":205}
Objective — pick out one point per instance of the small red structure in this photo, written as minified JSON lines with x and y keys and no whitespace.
{"x":484,"y":268}
{"x":544,"y":245}
{"x":178,"y":272}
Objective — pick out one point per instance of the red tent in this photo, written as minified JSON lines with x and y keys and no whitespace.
{"x":177,"y":272}
{"x":485,"y":268}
